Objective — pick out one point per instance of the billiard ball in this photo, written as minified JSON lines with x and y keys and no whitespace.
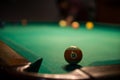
{"x":73,"y":55}
{"x":75,"y":25}
{"x":62,"y":23}
{"x":89,"y":25}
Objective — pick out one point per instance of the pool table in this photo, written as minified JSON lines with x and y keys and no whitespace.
{"x":36,"y":51}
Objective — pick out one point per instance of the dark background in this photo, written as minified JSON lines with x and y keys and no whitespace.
{"x":107,"y":11}
{"x":36,"y":10}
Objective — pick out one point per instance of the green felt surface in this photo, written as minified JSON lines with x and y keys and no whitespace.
{"x":100,"y":46}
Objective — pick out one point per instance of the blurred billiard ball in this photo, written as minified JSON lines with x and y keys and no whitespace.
{"x":62,"y":23}
{"x":89,"y":25}
{"x":75,"y":25}
{"x":73,"y":55}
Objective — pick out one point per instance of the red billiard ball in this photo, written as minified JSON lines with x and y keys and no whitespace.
{"x":73,"y":55}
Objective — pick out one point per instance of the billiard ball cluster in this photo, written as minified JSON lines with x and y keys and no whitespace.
{"x":89,"y":25}
{"x":73,"y":55}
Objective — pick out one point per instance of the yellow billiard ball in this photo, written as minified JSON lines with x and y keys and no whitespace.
{"x":62,"y":23}
{"x":89,"y":25}
{"x":73,"y":55}
{"x":75,"y":25}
